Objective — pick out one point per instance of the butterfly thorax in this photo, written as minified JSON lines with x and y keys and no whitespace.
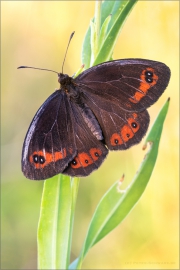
{"x":68,"y":86}
{"x":64,"y":80}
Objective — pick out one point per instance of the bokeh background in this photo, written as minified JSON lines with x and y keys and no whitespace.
{"x":36,"y":33}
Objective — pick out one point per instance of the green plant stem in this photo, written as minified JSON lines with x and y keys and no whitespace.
{"x":97,"y":20}
{"x":74,"y":191}
{"x":56,"y":222}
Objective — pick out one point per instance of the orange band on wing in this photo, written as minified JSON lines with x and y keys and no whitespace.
{"x":40,"y":159}
{"x":95,"y":153}
{"x":75,"y":163}
{"x":144,"y":85}
{"x":126,"y":132}
{"x":83,"y":159}
{"x":116,"y":139}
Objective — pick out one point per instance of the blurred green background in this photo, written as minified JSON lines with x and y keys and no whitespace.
{"x":36,"y":33}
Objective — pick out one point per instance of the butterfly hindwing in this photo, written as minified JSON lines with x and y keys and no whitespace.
{"x":121,"y":129}
{"x":91,"y":152}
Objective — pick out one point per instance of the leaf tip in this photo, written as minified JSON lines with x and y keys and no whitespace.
{"x":146,"y":143}
{"x":144,"y":146}
{"x":120,"y":181}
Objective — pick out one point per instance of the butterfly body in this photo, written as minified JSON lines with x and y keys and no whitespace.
{"x":102,"y":109}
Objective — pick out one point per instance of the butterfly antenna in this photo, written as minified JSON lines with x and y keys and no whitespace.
{"x":39,"y":68}
{"x":51,"y":69}
{"x":72,"y":34}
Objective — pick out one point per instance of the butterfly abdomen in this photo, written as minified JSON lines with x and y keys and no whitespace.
{"x":91,"y":121}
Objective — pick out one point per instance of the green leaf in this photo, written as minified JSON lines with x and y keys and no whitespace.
{"x":95,"y":31}
{"x":116,"y":205}
{"x":104,"y":31}
{"x":116,"y":10}
{"x":106,"y":10}
{"x":93,"y":41}
{"x":121,"y":10}
{"x":86,"y":49}
{"x":78,"y":71}
{"x":55,"y":224}
{"x":97,"y":16}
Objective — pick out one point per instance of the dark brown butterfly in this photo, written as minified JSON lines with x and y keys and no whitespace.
{"x":102,"y":109}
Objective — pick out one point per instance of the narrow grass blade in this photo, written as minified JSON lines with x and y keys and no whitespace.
{"x":55,"y":224}
{"x":115,"y":205}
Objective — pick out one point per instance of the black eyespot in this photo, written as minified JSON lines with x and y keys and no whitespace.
{"x":74,"y":162}
{"x":41,"y":159}
{"x":149,"y":79}
{"x":116,"y":141}
{"x":86,"y":161}
{"x":96,"y":154}
{"x":133,"y":125}
{"x":149,"y":73}
{"x":35,"y":158}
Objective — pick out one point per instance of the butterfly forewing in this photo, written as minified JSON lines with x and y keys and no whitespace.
{"x":49,"y":144}
{"x":132,"y":84}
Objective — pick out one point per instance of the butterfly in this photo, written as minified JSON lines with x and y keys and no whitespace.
{"x":102,"y":109}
